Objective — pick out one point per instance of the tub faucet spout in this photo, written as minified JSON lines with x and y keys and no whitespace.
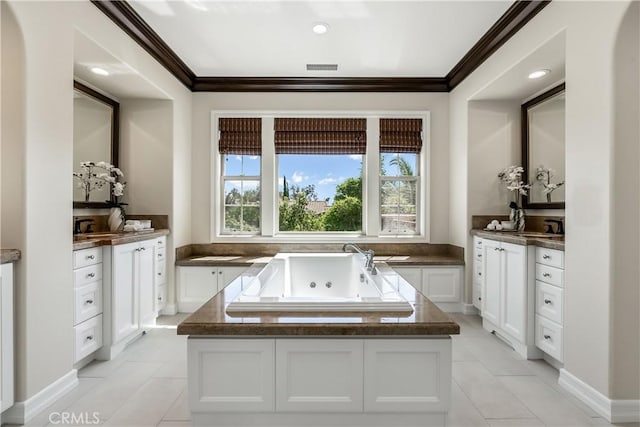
{"x":368,"y":254}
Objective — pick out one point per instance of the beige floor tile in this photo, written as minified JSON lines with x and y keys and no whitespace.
{"x":545,"y":402}
{"x":496,"y":356}
{"x":174,"y":424}
{"x":179,"y":410}
{"x":460,"y":350}
{"x":462,"y":412}
{"x":522,"y":422}
{"x":487,"y":393}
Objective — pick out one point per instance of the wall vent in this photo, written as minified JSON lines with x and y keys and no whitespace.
{"x":322,"y":67}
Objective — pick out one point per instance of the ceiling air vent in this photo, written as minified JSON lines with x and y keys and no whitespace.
{"x":322,"y":67}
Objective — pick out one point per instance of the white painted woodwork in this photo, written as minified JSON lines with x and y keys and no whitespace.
{"x":85,"y":257}
{"x":160,"y":301}
{"x":492,"y":281}
{"x":146,"y":282}
{"x":88,"y":301}
{"x":407,"y":375}
{"x":442,"y":284}
{"x":314,"y":375}
{"x":550,"y":257}
{"x":478,"y":273}
{"x":88,"y":274}
{"x":125,"y":305}
{"x":549,"y":302}
{"x":231,"y":375}
{"x":549,"y":337}
{"x":514,"y":290}
{"x":6,"y":337}
{"x":196,"y":285}
{"x":413,"y":275}
{"x":477,"y":296}
{"x":160,"y":275}
{"x":551,"y":275}
{"x":88,"y":337}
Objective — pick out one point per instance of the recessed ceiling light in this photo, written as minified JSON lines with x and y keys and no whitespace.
{"x":99,"y":71}
{"x":538,"y":73}
{"x":320,"y":27}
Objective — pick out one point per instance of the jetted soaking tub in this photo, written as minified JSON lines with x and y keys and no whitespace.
{"x":319,"y":282}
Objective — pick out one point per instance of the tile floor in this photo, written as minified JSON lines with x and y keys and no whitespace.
{"x":492,"y":385}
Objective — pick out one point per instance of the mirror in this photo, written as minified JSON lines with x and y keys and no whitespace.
{"x":543,"y":149}
{"x":95,"y":138}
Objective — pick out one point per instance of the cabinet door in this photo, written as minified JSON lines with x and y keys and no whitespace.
{"x":124,"y":303}
{"x":514,"y":290}
{"x":146,"y":260}
{"x":227,"y":275}
{"x":492,"y":276}
{"x":196,"y":286}
{"x":442,"y":284}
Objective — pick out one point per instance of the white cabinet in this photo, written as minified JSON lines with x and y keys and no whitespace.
{"x":88,"y":303}
{"x":508,"y":293}
{"x":549,"y":302}
{"x":6,"y":337}
{"x":478,"y":273}
{"x":196,"y":285}
{"x":441,"y":284}
{"x":124,"y":291}
{"x":160,"y":276}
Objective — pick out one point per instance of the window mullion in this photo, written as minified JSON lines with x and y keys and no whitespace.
{"x":269,"y":181}
{"x":371,"y":181}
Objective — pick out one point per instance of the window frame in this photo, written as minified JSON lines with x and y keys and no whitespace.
{"x":371,"y":226}
{"x":223,"y":179}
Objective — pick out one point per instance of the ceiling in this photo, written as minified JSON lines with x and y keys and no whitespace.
{"x":366,"y":38}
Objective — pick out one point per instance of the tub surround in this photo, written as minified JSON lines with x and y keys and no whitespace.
{"x":85,"y":241}
{"x":9,"y":255}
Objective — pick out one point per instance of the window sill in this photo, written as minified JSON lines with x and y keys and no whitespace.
{"x":314,"y":238}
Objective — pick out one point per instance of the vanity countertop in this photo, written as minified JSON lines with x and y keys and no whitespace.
{"x":244,"y":260}
{"x":518,"y":239}
{"x":9,"y":255}
{"x":212,"y":318}
{"x":86,"y":241}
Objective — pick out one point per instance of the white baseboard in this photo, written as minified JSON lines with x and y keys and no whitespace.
{"x":169,"y":310}
{"x":614,"y":411}
{"x":23,"y":412}
{"x":449,"y":307}
{"x":469,"y":309}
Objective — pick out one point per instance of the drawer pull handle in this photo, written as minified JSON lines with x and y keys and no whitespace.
{"x":89,"y":301}
{"x":547,"y":301}
{"x":91,"y":275}
{"x":479,"y":298}
{"x":213,"y":272}
{"x":479,"y":273}
{"x":547,"y":337}
{"x":91,"y":256}
{"x":159,"y":274}
{"x":159,"y":298}
{"x":546,"y":256}
{"x":89,"y":337}
{"x":479,"y":255}
{"x":496,"y":249}
{"x":219,"y":272}
{"x":159,"y":255}
{"x":143,"y":248}
{"x":546,"y":275}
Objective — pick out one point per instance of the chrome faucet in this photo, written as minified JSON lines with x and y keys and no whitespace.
{"x":368,"y":256}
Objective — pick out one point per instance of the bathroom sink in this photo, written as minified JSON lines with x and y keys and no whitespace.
{"x":538,"y":234}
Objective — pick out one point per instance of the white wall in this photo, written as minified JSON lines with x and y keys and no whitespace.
{"x":591,"y":28}
{"x":37,"y":98}
{"x":204,"y":103}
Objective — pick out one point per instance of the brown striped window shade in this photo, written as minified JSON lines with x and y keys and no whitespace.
{"x":320,"y":136}
{"x":240,"y":135}
{"x":400,"y":135}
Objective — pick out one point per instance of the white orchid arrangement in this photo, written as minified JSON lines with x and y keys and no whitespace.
{"x":93,"y":176}
{"x":512,"y":176}
{"x":543,"y":176}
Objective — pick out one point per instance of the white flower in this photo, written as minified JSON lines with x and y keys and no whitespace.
{"x":90,"y":178}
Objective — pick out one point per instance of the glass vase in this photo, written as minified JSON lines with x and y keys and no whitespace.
{"x":517,"y":217}
{"x":115,"y":220}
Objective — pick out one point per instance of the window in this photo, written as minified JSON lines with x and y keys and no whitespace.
{"x":320,"y":173}
{"x":400,"y":145}
{"x":291,"y":177}
{"x":240,"y":148}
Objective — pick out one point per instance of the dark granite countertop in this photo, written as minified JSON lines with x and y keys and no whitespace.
{"x":518,"y":239}
{"x":243,"y":260}
{"x":85,"y":241}
{"x":9,"y":255}
{"x":212,"y":320}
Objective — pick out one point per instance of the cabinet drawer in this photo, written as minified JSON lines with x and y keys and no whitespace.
{"x":88,"y":301}
{"x":478,"y":243}
{"x":549,"y":301}
{"x":88,"y":337}
{"x":552,"y":275}
{"x":549,"y":337}
{"x":82,"y":276}
{"x":477,"y":273}
{"x":85,"y":257}
{"x":161,"y":273}
{"x":551,"y":257}
{"x":161,"y":242}
{"x":160,"y":298}
{"x":477,"y":296}
{"x":160,"y":253}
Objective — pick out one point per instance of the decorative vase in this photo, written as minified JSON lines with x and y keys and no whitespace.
{"x":115,"y":220}
{"x":517,"y":217}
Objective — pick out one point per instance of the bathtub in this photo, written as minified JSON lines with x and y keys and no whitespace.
{"x":318,"y":282}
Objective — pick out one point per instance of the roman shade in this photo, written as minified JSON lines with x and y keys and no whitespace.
{"x":294,"y":135}
{"x":240,"y":135}
{"x":400,"y":135}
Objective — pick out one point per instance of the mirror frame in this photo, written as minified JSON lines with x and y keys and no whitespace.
{"x":524,"y":109}
{"x":115,"y":138}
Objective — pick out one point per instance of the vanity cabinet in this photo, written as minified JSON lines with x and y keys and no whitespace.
{"x":88,"y":306}
{"x":478,"y":273}
{"x":549,"y":301}
{"x":508,"y":293}
{"x":441,"y":284}
{"x":6,"y":337}
{"x":196,"y":285}
{"x":160,"y":276}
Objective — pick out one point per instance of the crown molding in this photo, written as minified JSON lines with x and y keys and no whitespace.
{"x":516,"y":17}
{"x":123,"y":14}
